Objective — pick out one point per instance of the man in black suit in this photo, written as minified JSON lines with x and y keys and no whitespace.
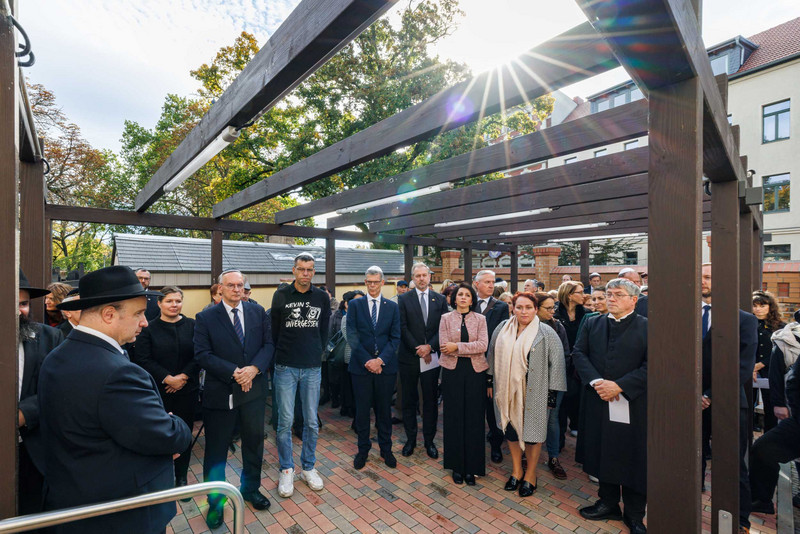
{"x":106,"y":432}
{"x":420,"y":312}
{"x":495,"y":313}
{"x":233,"y":343}
{"x":748,"y":343}
{"x":36,"y":340}
{"x":373,"y":333}
{"x":153,"y":311}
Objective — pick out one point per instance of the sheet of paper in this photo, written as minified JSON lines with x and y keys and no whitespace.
{"x":761,"y":383}
{"x":428,"y":366}
{"x":620,"y":411}
{"x":230,"y":401}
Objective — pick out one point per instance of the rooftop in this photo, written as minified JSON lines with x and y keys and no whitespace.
{"x":774,"y":44}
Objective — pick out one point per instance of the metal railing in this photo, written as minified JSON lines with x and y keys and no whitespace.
{"x":56,"y":517}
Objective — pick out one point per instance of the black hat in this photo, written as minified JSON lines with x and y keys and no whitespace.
{"x":402,"y":283}
{"x":74,"y":291}
{"x":110,"y":284}
{"x":33,"y":292}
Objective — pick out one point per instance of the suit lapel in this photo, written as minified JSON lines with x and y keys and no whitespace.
{"x":224,"y":318}
{"x":490,"y":302}
{"x":30,"y":352}
{"x":384,"y":310}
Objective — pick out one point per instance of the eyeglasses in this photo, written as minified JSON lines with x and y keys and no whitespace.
{"x":548,"y":308}
{"x":372,"y":282}
{"x":304,"y":271}
{"x":616,"y":296}
{"x":234,"y":286}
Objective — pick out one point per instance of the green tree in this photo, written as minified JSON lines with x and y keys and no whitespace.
{"x":601,"y":251}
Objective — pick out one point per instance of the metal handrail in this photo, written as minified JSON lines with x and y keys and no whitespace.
{"x":56,"y":517}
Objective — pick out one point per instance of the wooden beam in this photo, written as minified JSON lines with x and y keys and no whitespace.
{"x":32,"y":231}
{"x":673,"y":386}
{"x":585,"y":263}
{"x":313,"y":32}
{"x":133,"y":218}
{"x":330,"y":265}
{"x":467,"y":253}
{"x":623,"y":227}
{"x":30,"y":150}
{"x":408,"y":261}
{"x":216,"y":255}
{"x":570,"y":57}
{"x":725,"y":342}
{"x":564,"y":176}
{"x":587,"y":132}
{"x":746,"y":287}
{"x":513,"y":284}
{"x":9,"y":295}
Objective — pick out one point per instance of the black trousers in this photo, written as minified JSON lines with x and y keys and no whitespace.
{"x":219,"y":431}
{"x":463,"y":394}
{"x":183,"y":406}
{"x":495,"y":434}
{"x":570,"y":407}
{"x":429,"y":382}
{"x":373,"y":392}
{"x":29,"y":484}
{"x":779,"y":445}
{"x":634,"y":501}
{"x":770,"y":421}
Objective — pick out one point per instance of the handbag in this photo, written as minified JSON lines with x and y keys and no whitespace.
{"x":334,"y":350}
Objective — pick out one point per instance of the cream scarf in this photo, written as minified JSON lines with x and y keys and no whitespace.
{"x":510,"y":372}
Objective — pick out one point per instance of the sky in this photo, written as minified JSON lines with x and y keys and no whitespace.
{"x":111,"y":60}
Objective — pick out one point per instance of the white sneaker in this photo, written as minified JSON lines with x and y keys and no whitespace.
{"x":594,"y":479}
{"x":286,"y":483}
{"x":313,"y":479}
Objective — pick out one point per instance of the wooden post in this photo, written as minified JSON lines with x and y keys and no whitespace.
{"x":468,"y":265}
{"x":9,"y":262}
{"x":330,"y":265}
{"x":408,"y":261}
{"x":674,"y":257}
{"x":745,"y":261}
{"x":216,"y":255}
{"x":585,"y":263}
{"x":48,"y":249}
{"x":725,"y":343}
{"x":32,"y":231}
{"x":758,"y":260}
{"x":514,"y":282}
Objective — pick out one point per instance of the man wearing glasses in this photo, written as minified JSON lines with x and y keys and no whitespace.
{"x":610,"y":356}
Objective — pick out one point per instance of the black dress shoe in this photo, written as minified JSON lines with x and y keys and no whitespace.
{"x":512,"y":484}
{"x":214,"y":517}
{"x":497,"y":455}
{"x":601,"y":510}
{"x":335,"y":403}
{"x":255,"y":498}
{"x":762,"y":507}
{"x":408,"y":448}
{"x":432,"y":451}
{"x":526,"y":489}
{"x":179,"y":483}
{"x":396,"y":420}
{"x":389,"y":459}
{"x":360,"y":461}
{"x":458,"y":478}
{"x":469,"y":479}
{"x":636,"y":525}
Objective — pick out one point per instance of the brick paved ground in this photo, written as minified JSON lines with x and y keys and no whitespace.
{"x":417,"y":496}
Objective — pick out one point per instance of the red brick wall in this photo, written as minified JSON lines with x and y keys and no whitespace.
{"x":790,"y":303}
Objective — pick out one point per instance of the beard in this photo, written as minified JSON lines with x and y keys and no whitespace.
{"x":27,"y":328}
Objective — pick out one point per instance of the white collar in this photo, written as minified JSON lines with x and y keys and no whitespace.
{"x":420,"y":293}
{"x":229,"y":308}
{"x":621,"y":318}
{"x":704,"y":304}
{"x":96,"y":333}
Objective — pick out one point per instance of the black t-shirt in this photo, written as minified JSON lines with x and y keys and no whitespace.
{"x":300,"y":326}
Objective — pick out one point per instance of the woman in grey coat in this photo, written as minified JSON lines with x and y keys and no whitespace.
{"x":526,"y":368}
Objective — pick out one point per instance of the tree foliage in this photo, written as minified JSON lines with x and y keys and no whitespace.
{"x":601,"y":251}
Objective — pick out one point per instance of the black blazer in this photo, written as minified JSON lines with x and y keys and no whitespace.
{"x":748,"y":343}
{"x":495,"y":313}
{"x":363,"y":339}
{"x":108,"y":435}
{"x":165,"y":349}
{"x":217,"y":349}
{"x":412,"y":330}
{"x":45,"y":339}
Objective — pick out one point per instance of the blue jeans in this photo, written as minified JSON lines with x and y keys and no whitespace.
{"x":554,"y":428}
{"x":287,"y":381}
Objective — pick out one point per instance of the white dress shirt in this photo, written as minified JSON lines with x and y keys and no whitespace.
{"x":230,"y":313}
{"x":377,"y":304}
{"x":96,"y":333}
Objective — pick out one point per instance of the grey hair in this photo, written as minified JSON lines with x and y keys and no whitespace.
{"x":531,"y":280}
{"x":483,"y":273}
{"x":223,"y":273}
{"x":630,"y":288}
{"x":303,"y":256}
{"x":418,"y":265}
{"x":374,"y":270}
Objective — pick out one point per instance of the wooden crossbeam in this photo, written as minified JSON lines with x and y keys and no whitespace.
{"x":588,"y":132}
{"x":313,"y":32}
{"x":570,"y":57}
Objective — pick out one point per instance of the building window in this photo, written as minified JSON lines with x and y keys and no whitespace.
{"x":776,"y":121}
{"x":777,"y":252}
{"x":631,"y":258}
{"x":601,"y":152}
{"x":631,"y":144}
{"x":719,"y":65}
{"x":603,"y":105}
{"x":776,"y":193}
{"x":636,"y":94}
{"x":730,"y":119}
{"x":619,"y":100}
{"x":783,"y":289}
{"x":573,"y":159}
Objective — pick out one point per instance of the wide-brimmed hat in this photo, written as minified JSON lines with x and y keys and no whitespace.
{"x":110,"y":284}
{"x":33,"y":292}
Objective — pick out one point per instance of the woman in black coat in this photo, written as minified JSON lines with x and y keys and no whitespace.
{"x":765,"y":308}
{"x":165,"y":349}
{"x":570,"y":312}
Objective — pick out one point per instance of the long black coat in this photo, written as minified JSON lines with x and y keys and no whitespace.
{"x":748,"y":344}
{"x":413,"y":332}
{"x":614,"y":452}
{"x":165,"y":349}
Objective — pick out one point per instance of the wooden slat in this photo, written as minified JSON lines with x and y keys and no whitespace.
{"x":467,"y":253}
{"x":216,"y":255}
{"x":408,"y":261}
{"x":330,"y":265}
{"x":585,"y":263}
{"x":570,"y":57}
{"x":595,"y":130}
{"x":32,"y":231}
{"x":30,"y":150}
{"x":624,"y":227}
{"x":725,"y":342}
{"x":674,"y":387}
{"x":309,"y":36}
{"x":514,"y":282}
{"x":475,"y":196}
{"x":746,"y":287}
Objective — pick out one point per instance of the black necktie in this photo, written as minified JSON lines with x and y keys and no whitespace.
{"x":706,"y":311}
{"x":237,"y":325}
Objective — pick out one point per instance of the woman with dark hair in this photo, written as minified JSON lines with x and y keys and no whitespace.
{"x":58,"y":292}
{"x":526,"y":363}
{"x":463,"y":340}
{"x":765,"y":308}
{"x":570,"y":312}
{"x":165,"y":349}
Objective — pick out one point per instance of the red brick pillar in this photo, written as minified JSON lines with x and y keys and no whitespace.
{"x":546,"y":259}
{"x":450,"y":260}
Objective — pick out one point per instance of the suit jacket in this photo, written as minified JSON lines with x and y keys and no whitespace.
{"x":413,"y":332}
{"x":475,"y":349}
{"x":496,"y":312}
{"x":65,"y":328}
{"x":364,"y":339}
{"x":748,"y":345}
{"x":641,"y":305}
{"x":152,"y":312}
{"x":217,"y":349}
{"x":108,"y":435}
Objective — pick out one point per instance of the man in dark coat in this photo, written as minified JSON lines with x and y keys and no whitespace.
{"x":73,"y":317}
{"x":153,"y":311}
{"x":373,"y":333}
{"x":630,"y":274}
{"x":495,"y":314}
{"x":419,"y":333}
{"x":36,"y":341}
{"x":107,"y":433}
{"x":233,"y":343}
{"x":610,"y":356}
{"x":748,"y":345}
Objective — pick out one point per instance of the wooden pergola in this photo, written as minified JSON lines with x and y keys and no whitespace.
{"x":655,"y":189}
